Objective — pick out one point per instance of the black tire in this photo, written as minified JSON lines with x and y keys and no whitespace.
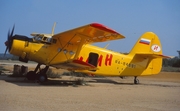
{"x":31,"y":75}
{"x":42,"y":78}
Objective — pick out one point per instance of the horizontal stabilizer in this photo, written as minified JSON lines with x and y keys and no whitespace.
{"x":152,"y":55}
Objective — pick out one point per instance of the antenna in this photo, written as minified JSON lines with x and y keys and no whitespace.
{"x":106,"y":46}
{"x":53,"y":28}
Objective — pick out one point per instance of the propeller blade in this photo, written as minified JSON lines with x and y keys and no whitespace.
{"x":5,"y":51}
{"x":9,"y":40}
{"x":8,"y":37}
{"x":12,"y":31}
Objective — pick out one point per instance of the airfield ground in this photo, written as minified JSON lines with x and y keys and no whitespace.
{"x":154,"y":93}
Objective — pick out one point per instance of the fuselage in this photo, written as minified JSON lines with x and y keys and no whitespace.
{"x":112,"y":63}
{"x":108,"y":63}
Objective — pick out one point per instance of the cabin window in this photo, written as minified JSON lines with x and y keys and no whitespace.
{"x":71,"y":52}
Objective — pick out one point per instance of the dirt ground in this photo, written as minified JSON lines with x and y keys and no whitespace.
{"x":154,"y":93}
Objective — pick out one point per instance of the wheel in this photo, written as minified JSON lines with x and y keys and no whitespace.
{"x":31,"y":75}
{"x":42,"y":78}
{"x":136,"y":81}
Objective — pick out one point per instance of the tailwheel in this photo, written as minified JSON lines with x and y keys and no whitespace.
{"x":136,"y":81}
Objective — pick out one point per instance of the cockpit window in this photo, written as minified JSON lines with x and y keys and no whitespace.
{"x":54,"y":40}
{"x":48,"y":40}
{"x":40,"y":38}
{"x":37,"y":38}
{"x":44,"y":38}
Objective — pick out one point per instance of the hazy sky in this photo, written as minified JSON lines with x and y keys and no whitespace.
{"x":131,"y":18}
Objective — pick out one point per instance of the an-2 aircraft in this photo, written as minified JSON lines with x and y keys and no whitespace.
{"x":72,"y":50}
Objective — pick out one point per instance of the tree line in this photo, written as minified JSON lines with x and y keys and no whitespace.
{"x":172,"y":62}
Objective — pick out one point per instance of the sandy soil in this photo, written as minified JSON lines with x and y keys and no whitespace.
{"x":154,"y":93}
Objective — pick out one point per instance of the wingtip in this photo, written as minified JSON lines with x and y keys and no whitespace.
{"x":103,"y":27}
{"x":164,"y":56}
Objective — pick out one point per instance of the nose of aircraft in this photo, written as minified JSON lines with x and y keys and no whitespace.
{"x":6,"y":43}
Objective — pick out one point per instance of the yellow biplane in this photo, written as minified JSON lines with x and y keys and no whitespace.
{"x":72,"y":50}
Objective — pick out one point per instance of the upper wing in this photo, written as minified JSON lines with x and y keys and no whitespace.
{"x":90,"y":33}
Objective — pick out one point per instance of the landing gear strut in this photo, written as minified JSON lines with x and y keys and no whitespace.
{"x":38,"y":74}
{"x":136,"y":81}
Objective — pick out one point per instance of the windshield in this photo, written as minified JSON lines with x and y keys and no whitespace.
{"x":37,"y":38}
{"x":40,"y":38}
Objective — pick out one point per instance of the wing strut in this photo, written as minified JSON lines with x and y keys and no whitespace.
{"x":79,"y":48}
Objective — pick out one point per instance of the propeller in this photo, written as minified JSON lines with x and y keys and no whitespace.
{"x":8,"y":43}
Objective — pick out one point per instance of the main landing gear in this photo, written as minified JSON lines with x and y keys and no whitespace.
{"x":38,"y":74}
{"x":136,"y":81}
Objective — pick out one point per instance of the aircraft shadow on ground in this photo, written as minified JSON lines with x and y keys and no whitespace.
{"x":22,"y":81}
{"x":105,"y":80}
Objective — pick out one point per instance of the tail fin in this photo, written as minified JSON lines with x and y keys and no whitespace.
{"x":148,"y":53}
{"x":147,"y":43}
